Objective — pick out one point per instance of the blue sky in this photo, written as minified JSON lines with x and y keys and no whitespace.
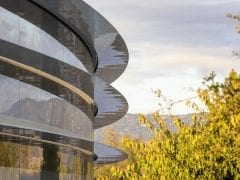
{"x":172,"y":45}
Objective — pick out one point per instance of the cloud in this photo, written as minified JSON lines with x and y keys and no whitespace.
{"x":171,"y":69}
{"x":169,"y":21}
{"x":154,"y":58}
{"x":172,"y":45}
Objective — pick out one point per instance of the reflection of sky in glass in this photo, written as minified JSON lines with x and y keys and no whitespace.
{"x":107,"y":100}
{"x":111,"y":104}
{"x":19,"y":31}
{"x":110,"y":56}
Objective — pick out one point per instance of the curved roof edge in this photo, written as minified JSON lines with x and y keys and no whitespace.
{"x":112,"y":105}
{"x":112,"y":52}
{"x":106,"y":154}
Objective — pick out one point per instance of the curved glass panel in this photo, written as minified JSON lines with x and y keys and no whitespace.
{"x":26,"y":160}
{"x":111,"y":49}
{"x":107,"y":154}
{"x":112,"y":106}
{"x":33,"y":28}
{"x":48,"y":112}
{"x":24,"y":103}
{"x":64,"y":71}
{"x":21,"y":135}
{"x":49,"y":84}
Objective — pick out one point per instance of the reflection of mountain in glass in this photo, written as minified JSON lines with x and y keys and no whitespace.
{"x":49,"y":52}
{"x":54,"y":112}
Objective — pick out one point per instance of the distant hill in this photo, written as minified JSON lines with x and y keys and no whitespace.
{"x":66,"y":117}
{"x":129,"y":125}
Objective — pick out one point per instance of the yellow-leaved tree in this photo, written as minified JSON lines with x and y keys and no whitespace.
{"x":208,"y":148}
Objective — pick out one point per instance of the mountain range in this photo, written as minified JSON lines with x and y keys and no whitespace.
{"x":129,"y":125}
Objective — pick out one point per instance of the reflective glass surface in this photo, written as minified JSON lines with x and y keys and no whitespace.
{"x":28,"y":161}
{"x":104,"y":154}
{"x":111,"y":104}
{"x":107,"y":154}
{"x":111,"y":49}
{"x":25,"y":104}
{"x":48,"y":85}
{"x":35,"y":29}
{"x":49,"y":51}
{"x":24,"y":134}
{"x":64,"y":71}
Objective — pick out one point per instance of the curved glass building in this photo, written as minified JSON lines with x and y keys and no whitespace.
{"x":57,"y":61}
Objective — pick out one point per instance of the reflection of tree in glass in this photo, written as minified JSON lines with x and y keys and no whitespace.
{"x":51,"y":162}
{"x":9,"y":154}
{"x":24,"y":156}
{"x":76,"y":169}
{"x":70,"y":165}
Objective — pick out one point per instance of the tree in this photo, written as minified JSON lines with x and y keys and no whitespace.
{"x":237,"y":28}
{"x":208,"y":148}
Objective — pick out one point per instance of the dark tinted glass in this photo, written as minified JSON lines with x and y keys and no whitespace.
{"x":27,"y":161}
{"x":98,"y":32}
{"x":36,"y":29}
{"x":24,"y":104}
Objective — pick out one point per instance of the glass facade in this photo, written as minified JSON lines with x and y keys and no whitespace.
{"x":28,"y":161}
{"x":21,"y":32}
{"x":101,"y":37}
{"x":57,"y":59}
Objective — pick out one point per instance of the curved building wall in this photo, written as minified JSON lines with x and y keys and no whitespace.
{"x":23,"y":103}
{"x":37,"y":30}
{"x":27,"y":161}
{"x":17,"y":30}
{"x":56,"y":60}
{"x":100,"y":36}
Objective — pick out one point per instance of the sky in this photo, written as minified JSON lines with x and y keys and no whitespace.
{"x":172,"y":44}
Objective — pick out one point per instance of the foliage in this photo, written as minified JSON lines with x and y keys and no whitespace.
{"x":9,"y":154}
{"x":208,"y":148}
{"x":237,"y":28}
